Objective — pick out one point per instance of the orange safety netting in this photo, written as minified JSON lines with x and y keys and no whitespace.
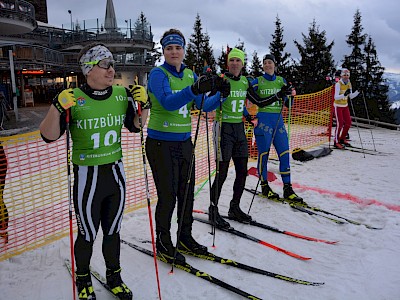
{"x":310,"y":122}
{"x":34,"y":199}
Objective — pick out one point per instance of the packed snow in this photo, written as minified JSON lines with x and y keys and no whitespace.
{"x":364,"y":264}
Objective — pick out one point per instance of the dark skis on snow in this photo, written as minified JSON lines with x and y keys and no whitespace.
{"x":312,"y":210}
{"x":254,"y":239}
{"x":299,"y":208}
{"x":268,"y":227}
{"x":229,"y":262}
{"x":192,"y":270}
{"x":232,"y":263}
{"x":370,"y":150}
{"x":366,"y":151}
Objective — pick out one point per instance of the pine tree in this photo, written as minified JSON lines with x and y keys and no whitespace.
{"x":142,"y":28}
{"x":316,"y":61}
{"x":240,"y":46}
{"x":198,"y":50}
{"x":208,"y":55}
{"x":256,"y":66}
{"x":375,"y":91}
{"x":355,"y":61}
{"x":223,"y":59}
{"x":277,"y":48}
{"x":366,"y":76}
{"x":142,"y":31}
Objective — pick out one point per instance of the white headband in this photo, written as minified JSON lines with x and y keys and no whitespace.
{"x":96,"y":53}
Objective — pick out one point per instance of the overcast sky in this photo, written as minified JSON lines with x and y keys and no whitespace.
{"x":253,"y":21}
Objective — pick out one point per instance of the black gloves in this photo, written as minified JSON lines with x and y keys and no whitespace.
{"x":213,"y":84}
{"x":283,"y":93}
{"x":289,"y":102}
{"x":280,"y":94}
{"x":204,"y":84}
{"x":224,"y":86}
{"x":348,"y":91}
{"x":249,"y":118}
{"x":253,"y":97}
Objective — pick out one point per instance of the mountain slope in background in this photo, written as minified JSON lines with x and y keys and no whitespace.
{"x":393,"y":81}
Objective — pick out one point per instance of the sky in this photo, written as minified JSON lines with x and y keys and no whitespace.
{"x":364,"y":264}
{"x":253,"y":21}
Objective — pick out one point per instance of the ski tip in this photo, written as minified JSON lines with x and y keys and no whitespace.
{"x":372,"y":227}
{"x":305,"y":258}
{"x":330,"y":242}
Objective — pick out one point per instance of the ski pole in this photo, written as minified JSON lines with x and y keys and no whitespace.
{"x":209,"y":167}
{"x":203,"y":184}
{"x":71,"y":233}
{"x":258,"y":181}
{"x":188,"y":181}
{"x":266,"y":161}
{"x":208,"y":156}
{"x":358,"y":130}
{"x":218,"y":131}
{"x":289,"y":117}
{"x":369,"y":121}
{"x":146,"y":180}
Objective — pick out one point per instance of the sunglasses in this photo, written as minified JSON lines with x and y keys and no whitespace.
{"x":104,"y":63}
{"x":346,"y":75}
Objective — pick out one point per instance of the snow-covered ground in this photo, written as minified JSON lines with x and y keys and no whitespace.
{"x":363,"y":265}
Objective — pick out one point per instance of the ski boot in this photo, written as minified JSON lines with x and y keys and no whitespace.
{"x":84,"y":287}
{"x":345,"y":143}
{"x":188,"y":243}
{"x":213,"y":215}
{"x":165,"y":250}
{"x":267,"y":191}
{"x":117,"y":286}
{"x":291,"y":196}
{"x":238,"y":215}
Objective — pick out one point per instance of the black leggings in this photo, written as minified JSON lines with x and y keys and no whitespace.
{"x":240,"y":180}
{"x":169,"y":162}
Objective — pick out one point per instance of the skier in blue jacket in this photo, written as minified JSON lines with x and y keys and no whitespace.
{"x":175,"y":89}
{"x":271,"y":128}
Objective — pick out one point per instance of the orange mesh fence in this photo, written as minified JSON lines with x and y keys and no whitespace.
{"x":34,"y":204}
{"x":310,"y":122}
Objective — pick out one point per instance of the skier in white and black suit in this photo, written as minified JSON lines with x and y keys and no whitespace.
{"x":97,"y":110}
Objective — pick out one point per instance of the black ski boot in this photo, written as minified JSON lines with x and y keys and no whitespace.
{"x":213,"y":214}
{"x":238,"y":215}
{"x":166,"y":250}
{"x":187,"y":243}
{"x":267,"y":191}
{"x":84,"y":287}
{"x":345,"y":142}
{"x":290,"y":195}
{"x":118,"y":287}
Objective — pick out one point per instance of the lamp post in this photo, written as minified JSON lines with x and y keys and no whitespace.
{"x":126,"y":21}
{"x":70,"y":14}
